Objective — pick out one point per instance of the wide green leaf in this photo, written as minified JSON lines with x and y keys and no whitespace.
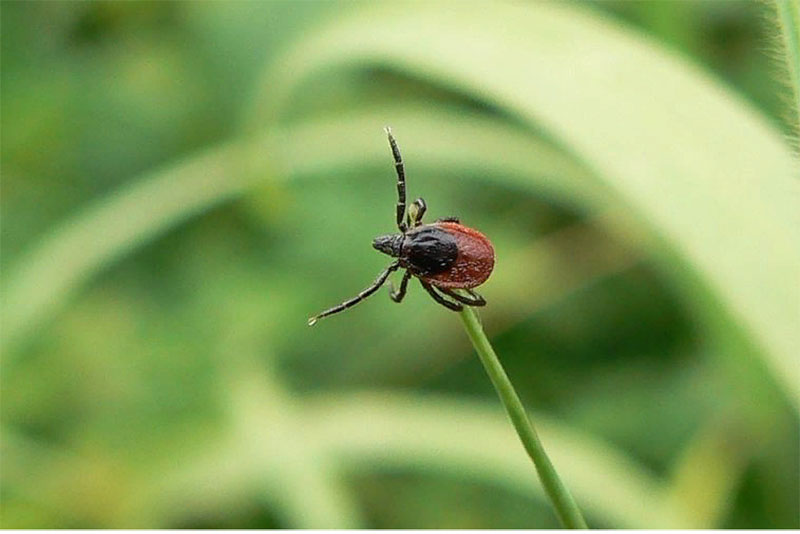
{"x":695,"y":167}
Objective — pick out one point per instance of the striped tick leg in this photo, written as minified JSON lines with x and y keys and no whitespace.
{"x":358,"y":298}
{"x":401,"y":180}
{"x":398,"y":295}
{"x":455,"y":306}
{"x":472,"y":300}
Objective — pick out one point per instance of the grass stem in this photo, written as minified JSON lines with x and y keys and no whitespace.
{"x":565,"y":507}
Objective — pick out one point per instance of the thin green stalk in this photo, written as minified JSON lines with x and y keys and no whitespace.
{"x":559,"y":495}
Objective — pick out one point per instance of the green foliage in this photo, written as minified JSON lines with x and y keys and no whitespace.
{"x":156,"y":366}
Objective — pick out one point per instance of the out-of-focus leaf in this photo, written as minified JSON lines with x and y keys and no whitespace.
{"x":103,"y":232}
{"x":366,"y":432}
{"x":112,"y":227}
{"x":694,"y":165}
{"x":387,"y":431}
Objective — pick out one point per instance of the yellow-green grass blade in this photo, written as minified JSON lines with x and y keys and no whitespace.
{"x":696,"y":167}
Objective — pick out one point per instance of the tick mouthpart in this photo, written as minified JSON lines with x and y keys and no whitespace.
{"x":389,"y":244}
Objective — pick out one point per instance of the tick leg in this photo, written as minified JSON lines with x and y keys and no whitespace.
{"x":455,"y":306}
{"x":398,"y":295}
{"x":358,"y":298}
{"x":449,"y":219}
{"x":401,"y":180}
{"x":416,"y":211}
{"x":473,"y":300}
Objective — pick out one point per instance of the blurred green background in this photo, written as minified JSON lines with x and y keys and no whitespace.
{"x":184,"y":183}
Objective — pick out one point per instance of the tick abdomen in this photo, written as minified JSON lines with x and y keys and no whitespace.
{"x":474,"y":261}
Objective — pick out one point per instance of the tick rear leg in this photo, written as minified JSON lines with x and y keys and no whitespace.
{"x":398,"y":295}
{"x":472,"y":300}
{"x":415,"y":212}
{"x":358,"y":298}
{"x":455,"y":306}
{"x":401,"y":180}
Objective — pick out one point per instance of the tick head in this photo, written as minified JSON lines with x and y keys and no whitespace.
{"x":389,"y":244}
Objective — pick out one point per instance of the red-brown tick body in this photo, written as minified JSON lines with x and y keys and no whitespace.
{"x":474,"y":263}
{"x":444,"y":255}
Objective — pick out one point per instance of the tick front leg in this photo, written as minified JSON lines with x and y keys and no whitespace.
{"x":358,"y":298}
{"x":398,"y":295}
{"x":401,"y":180}
{"x":455,"y":306}
{"x":472,"y":300}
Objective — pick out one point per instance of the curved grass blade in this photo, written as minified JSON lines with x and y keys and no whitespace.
{"x":386,"y":431}
{"x":706,"y":176}
{"x":114,"y":226}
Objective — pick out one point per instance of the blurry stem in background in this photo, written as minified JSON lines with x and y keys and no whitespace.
{"x":566,"y":509}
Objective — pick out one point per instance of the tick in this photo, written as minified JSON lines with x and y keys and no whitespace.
{"x":444,"y":256}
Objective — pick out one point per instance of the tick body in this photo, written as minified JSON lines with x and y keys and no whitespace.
{"x":444,"y":256}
